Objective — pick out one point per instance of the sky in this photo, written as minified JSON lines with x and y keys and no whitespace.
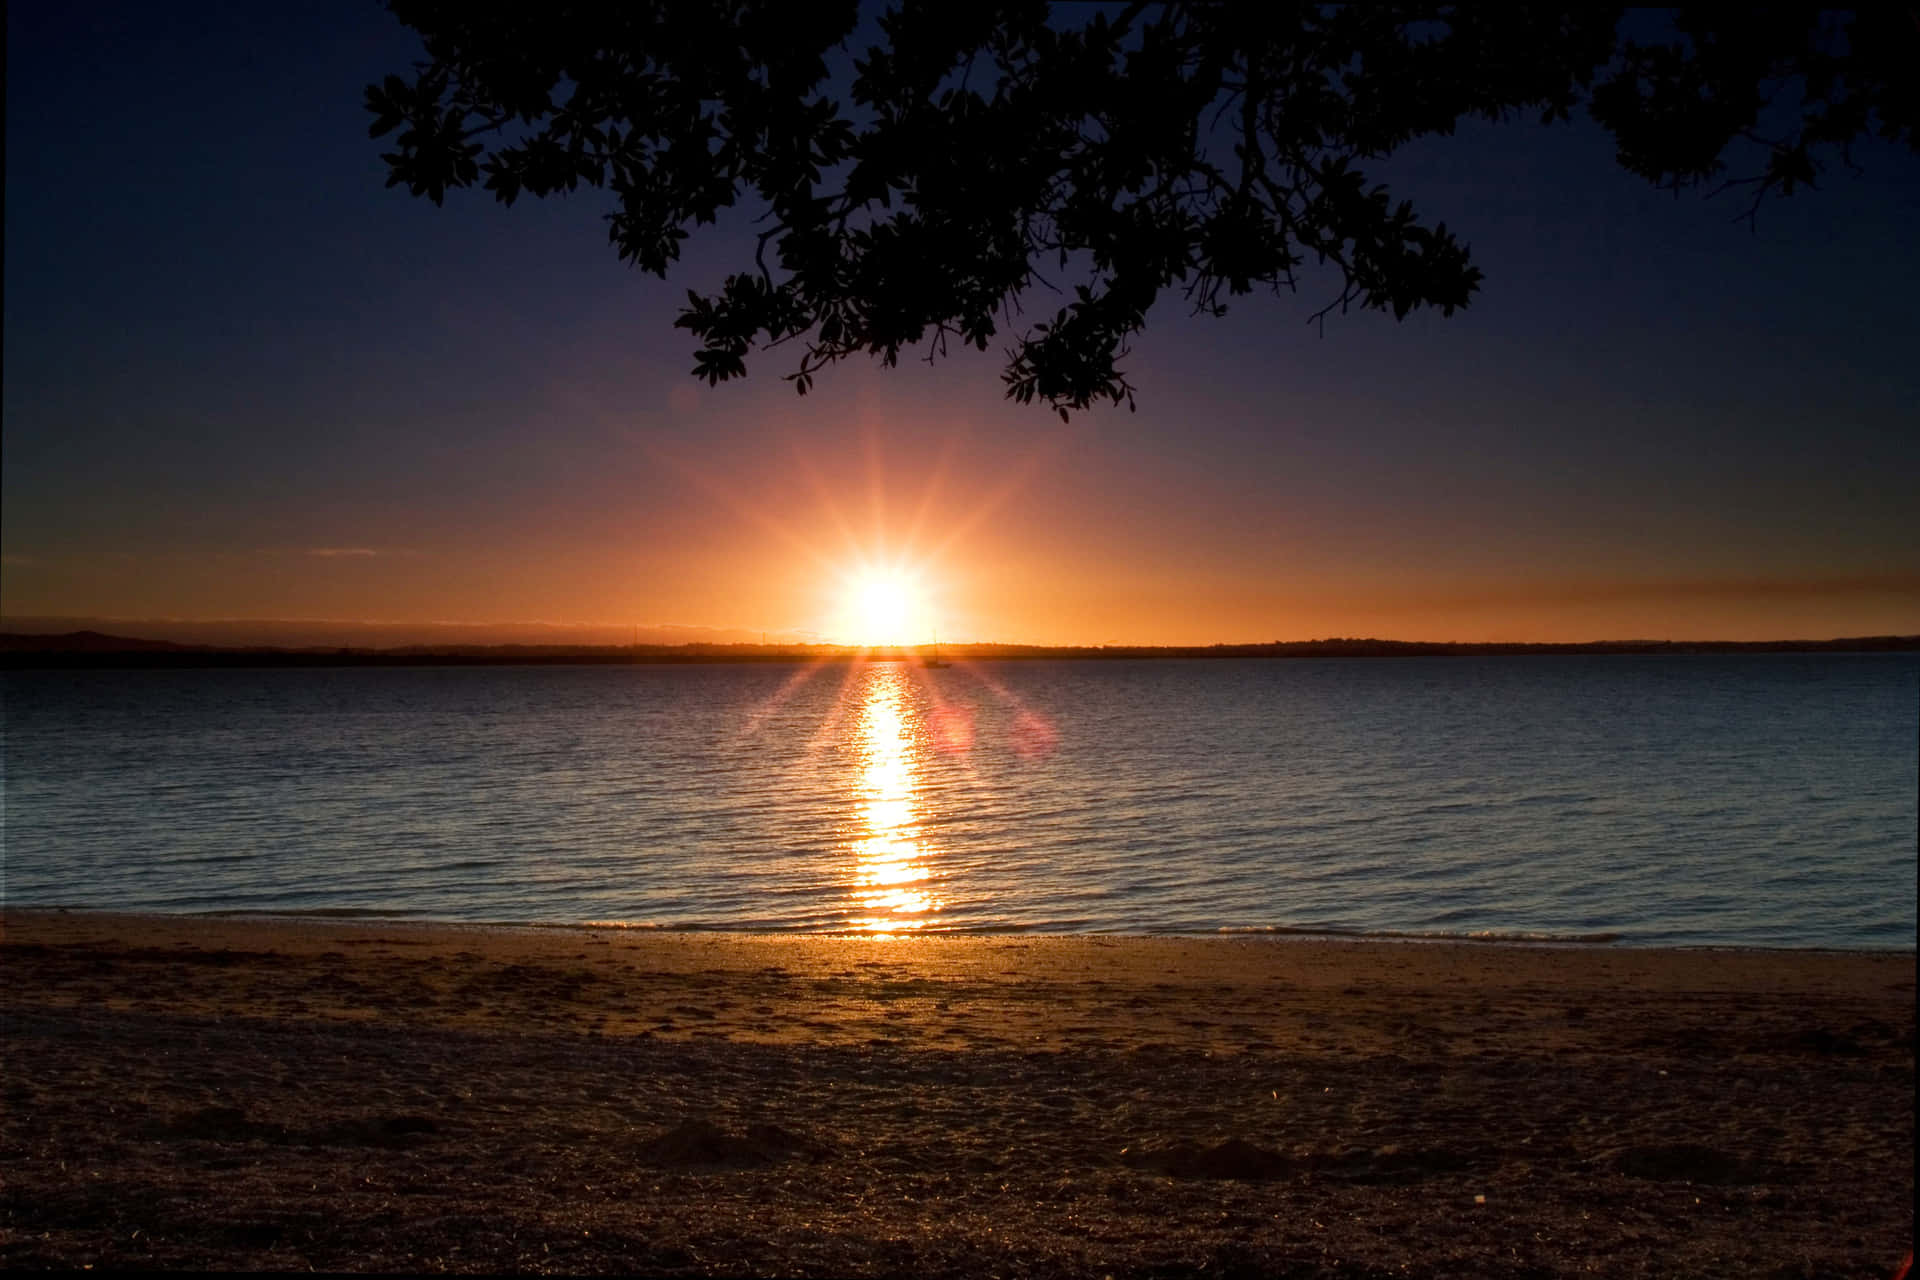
{"x":246,"y":384}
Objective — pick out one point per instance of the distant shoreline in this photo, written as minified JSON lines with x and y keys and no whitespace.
{"x":91,"y":649}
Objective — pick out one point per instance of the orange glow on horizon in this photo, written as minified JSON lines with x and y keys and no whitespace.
{"x":870,"y":524}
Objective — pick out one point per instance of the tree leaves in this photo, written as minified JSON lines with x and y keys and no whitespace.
{"x":981,"y":149}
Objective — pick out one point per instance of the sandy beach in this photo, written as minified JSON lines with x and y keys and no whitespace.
{"x":283,"y":1094}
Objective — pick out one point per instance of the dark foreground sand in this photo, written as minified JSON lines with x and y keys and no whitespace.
{"x":278,"y":1095}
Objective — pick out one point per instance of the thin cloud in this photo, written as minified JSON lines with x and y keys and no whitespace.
{"x":330,"y":553}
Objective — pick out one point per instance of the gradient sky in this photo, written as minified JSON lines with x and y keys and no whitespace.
{"x":245,"y":381}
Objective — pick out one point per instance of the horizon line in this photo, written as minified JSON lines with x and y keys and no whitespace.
{"x":837,"y":648}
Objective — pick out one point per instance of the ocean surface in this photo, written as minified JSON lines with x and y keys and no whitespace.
{"x":1752,"y":800}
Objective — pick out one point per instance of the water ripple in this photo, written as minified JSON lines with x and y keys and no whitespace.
{"x":1754,"y":800}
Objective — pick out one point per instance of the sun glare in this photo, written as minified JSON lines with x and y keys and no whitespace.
{"x":884,"y":608}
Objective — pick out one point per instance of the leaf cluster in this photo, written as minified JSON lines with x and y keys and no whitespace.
{"x":1801,"y":83}
{"x":980,"y":152}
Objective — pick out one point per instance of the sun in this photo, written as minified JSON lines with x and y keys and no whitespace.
{"x":883,"y":607}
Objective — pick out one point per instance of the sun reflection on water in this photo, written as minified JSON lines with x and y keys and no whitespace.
{"x":892,"y":871}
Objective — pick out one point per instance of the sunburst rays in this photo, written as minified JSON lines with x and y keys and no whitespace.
{"x":881,"y":559}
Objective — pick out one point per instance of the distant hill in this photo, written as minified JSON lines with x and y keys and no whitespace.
{"x":86,"y":642}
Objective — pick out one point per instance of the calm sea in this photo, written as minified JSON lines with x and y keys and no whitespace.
{"x":1751,"y":800}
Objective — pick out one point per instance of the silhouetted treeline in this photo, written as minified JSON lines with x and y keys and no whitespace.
{"x":84,"y":649}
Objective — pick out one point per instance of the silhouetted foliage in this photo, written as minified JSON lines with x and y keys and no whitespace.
{"x":1110,"y":154}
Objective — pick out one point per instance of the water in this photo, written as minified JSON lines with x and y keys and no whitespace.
{"x":1763,"y":800}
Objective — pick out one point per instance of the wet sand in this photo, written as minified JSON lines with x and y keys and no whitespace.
{"x":189,"y":1092}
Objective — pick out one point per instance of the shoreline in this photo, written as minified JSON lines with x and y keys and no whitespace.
{"x":354,"y":916}
{"x":393,"y":1095}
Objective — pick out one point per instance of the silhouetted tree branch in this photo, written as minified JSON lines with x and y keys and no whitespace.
{"x":1213,"y":148}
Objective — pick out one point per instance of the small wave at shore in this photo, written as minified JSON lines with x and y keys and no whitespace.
{"x":314,"y":913}
{"x":419,"y":919}
{"x":1431,"y":935}
{"x":1530,"y":937}
{"x":1539,"y":937}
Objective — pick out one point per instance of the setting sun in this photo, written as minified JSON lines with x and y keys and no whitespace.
{"x":883,"y":607}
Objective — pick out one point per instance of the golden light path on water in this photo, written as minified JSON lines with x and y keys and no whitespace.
{"x":893,"y":871}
